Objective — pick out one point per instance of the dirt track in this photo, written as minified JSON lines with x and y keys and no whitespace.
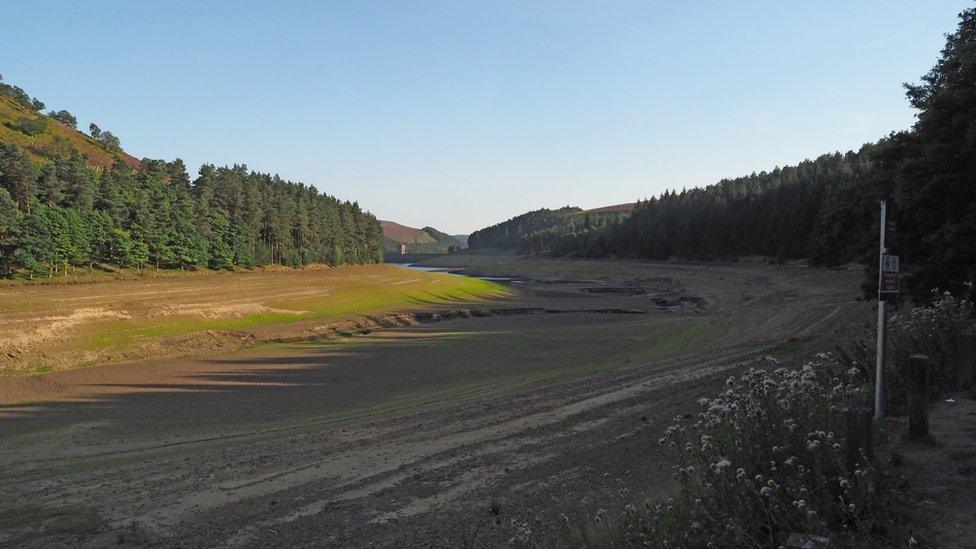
{"x":464,"y":431}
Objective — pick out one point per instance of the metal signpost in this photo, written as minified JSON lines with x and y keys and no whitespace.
{"x":887,"y":289}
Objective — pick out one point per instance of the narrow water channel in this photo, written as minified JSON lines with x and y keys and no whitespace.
{"x":459,"y":272}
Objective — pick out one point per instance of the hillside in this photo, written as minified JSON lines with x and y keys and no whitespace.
{"x":418,"y":241}
{"x":55,"y":138}
{"x":533,"y":232}
{"x":628,"y":207}
{"x":405,"y":235}
{"x":69,"y":201}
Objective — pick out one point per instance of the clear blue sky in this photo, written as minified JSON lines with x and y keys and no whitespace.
{"x":461,"y":114}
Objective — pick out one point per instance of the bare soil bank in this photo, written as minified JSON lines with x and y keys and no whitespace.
{"x":55,"y":327}
{"x":471,"y":429}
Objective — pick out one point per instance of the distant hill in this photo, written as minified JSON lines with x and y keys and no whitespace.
{"x":42,"y":137}
{"x":537,"y":231}
{"x":405,"y":235}
{"x":418,"y":241}
{"x":462,"y":238}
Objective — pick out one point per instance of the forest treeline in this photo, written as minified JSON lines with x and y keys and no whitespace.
{"x":824,"y":210}
{"x":537,"y":231}
{"x":63,"y":214}
{"x":788,"y":213}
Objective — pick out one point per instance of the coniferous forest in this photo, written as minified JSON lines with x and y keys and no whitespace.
{"x":540,"y":231}
{"x":59,"y":212}
{"x":824,"y":210}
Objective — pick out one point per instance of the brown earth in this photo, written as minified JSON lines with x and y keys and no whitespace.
{"x":408,"y":235}
{"x":47,"y":327}
{"x":499,"y":421}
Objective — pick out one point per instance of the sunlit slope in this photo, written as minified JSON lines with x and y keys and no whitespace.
{"x":50,"y":327}
{"x":426,"y":240}
{"x":55,"y":139}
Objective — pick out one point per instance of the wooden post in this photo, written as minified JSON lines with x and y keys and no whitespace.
{"x":966,"y":369}
{"x":859,"y":436}
{"x":918,"y":387}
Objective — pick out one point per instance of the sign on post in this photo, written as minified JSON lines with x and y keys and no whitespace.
{"x":889,"y":276}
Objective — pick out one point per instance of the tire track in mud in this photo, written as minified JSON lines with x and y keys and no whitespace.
{"x":514,"y":445}
{"x":354,"y":475}
{"x":357,"y":474}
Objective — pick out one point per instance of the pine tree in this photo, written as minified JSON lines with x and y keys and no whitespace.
{"x":79,"y":181}
{"x":50,"y":189}
{"x":16,"y":176}
{"x":934,"y":169}
{"x":10,"y":219}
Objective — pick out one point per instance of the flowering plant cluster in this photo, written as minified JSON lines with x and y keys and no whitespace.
{"x":945,"y":332}
{"x":764,"y":459}
{"x":768,"y":456}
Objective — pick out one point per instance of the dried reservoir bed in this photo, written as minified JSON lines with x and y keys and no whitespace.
{"x":492,"y":415}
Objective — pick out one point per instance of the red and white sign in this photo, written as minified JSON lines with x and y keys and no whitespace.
{"x":889,"y":274}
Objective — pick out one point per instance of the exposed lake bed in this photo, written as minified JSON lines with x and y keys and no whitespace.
{"x":404,"y":427}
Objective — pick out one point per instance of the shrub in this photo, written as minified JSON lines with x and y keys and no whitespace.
{"x":109,"y":141}
{"x":16,"y":93}
{"x":65,"y":118}
{"x":767,"y":458}
{"x":944,"y":331}
{"x":29,"y":126}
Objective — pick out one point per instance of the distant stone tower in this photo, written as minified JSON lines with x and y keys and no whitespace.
{"x":403,"y":249}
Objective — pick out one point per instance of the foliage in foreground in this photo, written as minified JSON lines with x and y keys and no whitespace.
{"x":768,"y":456}
{"x":946,"y":333}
